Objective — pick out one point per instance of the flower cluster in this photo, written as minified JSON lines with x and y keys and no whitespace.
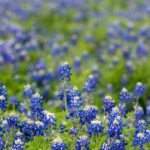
{"x":125,"y":96}
{"x":64,"y":72}
{"x":3,"y":98}
{"x":36,"y":107}
{"x":115,"y":144}
{"x":82,"y":143}
{"x":95,"y":128}
{"x":18,"y":145}
{"x":90,"y":84}
{"x":108,"y":104}
{"x":139,"y":90}
{"x":58,"y":144}
{"x":115,"y":124}
{"x":87,"y":114}
{"x":141,"y":135}
{"x":112,"y":53}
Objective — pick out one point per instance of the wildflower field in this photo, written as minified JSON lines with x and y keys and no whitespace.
{"x":74,"y":74}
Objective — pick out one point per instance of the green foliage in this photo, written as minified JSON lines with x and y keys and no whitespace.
{"x":38,"y":144}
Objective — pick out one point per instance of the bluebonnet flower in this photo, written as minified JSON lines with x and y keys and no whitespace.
{"x":118,"y":144}
{"x":58,"y":144}
{"x":3,"y":103}
{"x":109,"y":88}
{"x":2,"y":145}
{"x":3,"y":98}
{"x":73,"y":131}
{"x":95,"y":72}
{"x":139,"y":90}
{"x":62,"y":127}
{"x":112,"y":49}
{"x":125,"y":96}
{"x":18,"y":145}
{"x":14,"y":100}
{"x":22,"y":108}
{"x":90,"y":84}
{"x":27,"y":128}
{"x":65,"y":48}
{"x":28,"y":91}
{"x":4,"y":126}
{"x":85,"y":56}
{"x":36,"y":105}
{"x":148,"y":110}
{"x":13,"y":121}
{"x":73,"y":40}
{"x":129,"y":67}
{"x":144,"y":30}
{"x":36,"y":102}
{"x":49,"y":119}
{"x":140,"y":139}
{"x":55,"y":51}
{"x":19,"y":135}
{"x":108,"y":104}
{"x":127,"y":53}
{"x":115,"y":144}
{"x":38,"y":128}
{"x":115,"y":125}
{"x":141,"y":125}
{"x":124,"y":80}
{"x":46,"y":92}
{"x":75,"y":103}
{"x":117,"y":111}
{"x":138,"y":113}
{"x":106,"y":145}
{"x":95,"y":128}
{"x":90,"y":38}
{"x":82,"y":143}
{"x":3,"y":91}
{"x":122,"y":109}
{"x":73,"y":98}
{"x":41,"y":76}
{"x":87,"y":114}
{"x":141,"y":50}
{"x":64,"y":72}
{"x":141,"y":135}
{"x":77,"y":65}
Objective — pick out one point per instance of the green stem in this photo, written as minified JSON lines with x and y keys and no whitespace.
{"x":136,"y":103}
{"x":65,"y":100}
{"x":65,"y":96}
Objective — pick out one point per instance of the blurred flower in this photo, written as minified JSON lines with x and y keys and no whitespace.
{"x":125,"y":95}
{"x":139,"y":90}
{"x":14,"y":100}
{"x":3,"y":98}
{"x":90,"y":84}
{"x":138,"y":113}
{"x":28,"y":91}
{"x":64,"y":72}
